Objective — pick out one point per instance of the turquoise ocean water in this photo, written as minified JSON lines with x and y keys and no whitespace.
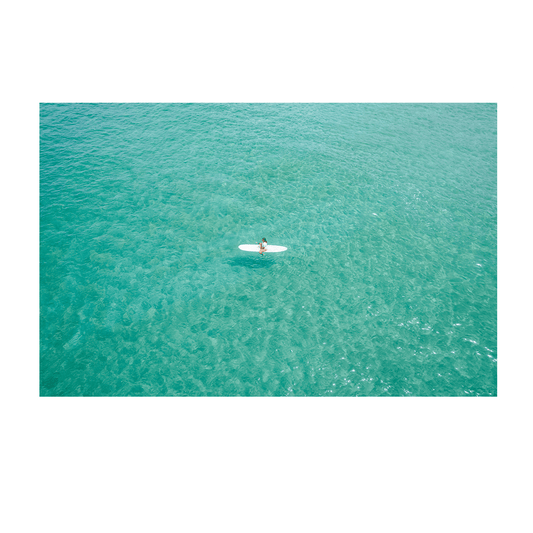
{"x":388,"y":287}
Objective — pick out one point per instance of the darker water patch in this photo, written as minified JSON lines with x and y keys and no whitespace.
{"x":251,"y":262}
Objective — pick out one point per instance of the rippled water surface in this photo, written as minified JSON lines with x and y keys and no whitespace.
{"x":388,"y":287}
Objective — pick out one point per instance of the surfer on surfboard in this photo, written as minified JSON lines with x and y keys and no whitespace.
{"x":263,"y":246}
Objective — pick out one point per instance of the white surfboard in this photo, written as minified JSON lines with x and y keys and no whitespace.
{"x":255,"y":248}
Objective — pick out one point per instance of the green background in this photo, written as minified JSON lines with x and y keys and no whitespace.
{"x":261,"y":474}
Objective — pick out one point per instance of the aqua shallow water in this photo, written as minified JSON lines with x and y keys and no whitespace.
{"x":388,"y":287}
